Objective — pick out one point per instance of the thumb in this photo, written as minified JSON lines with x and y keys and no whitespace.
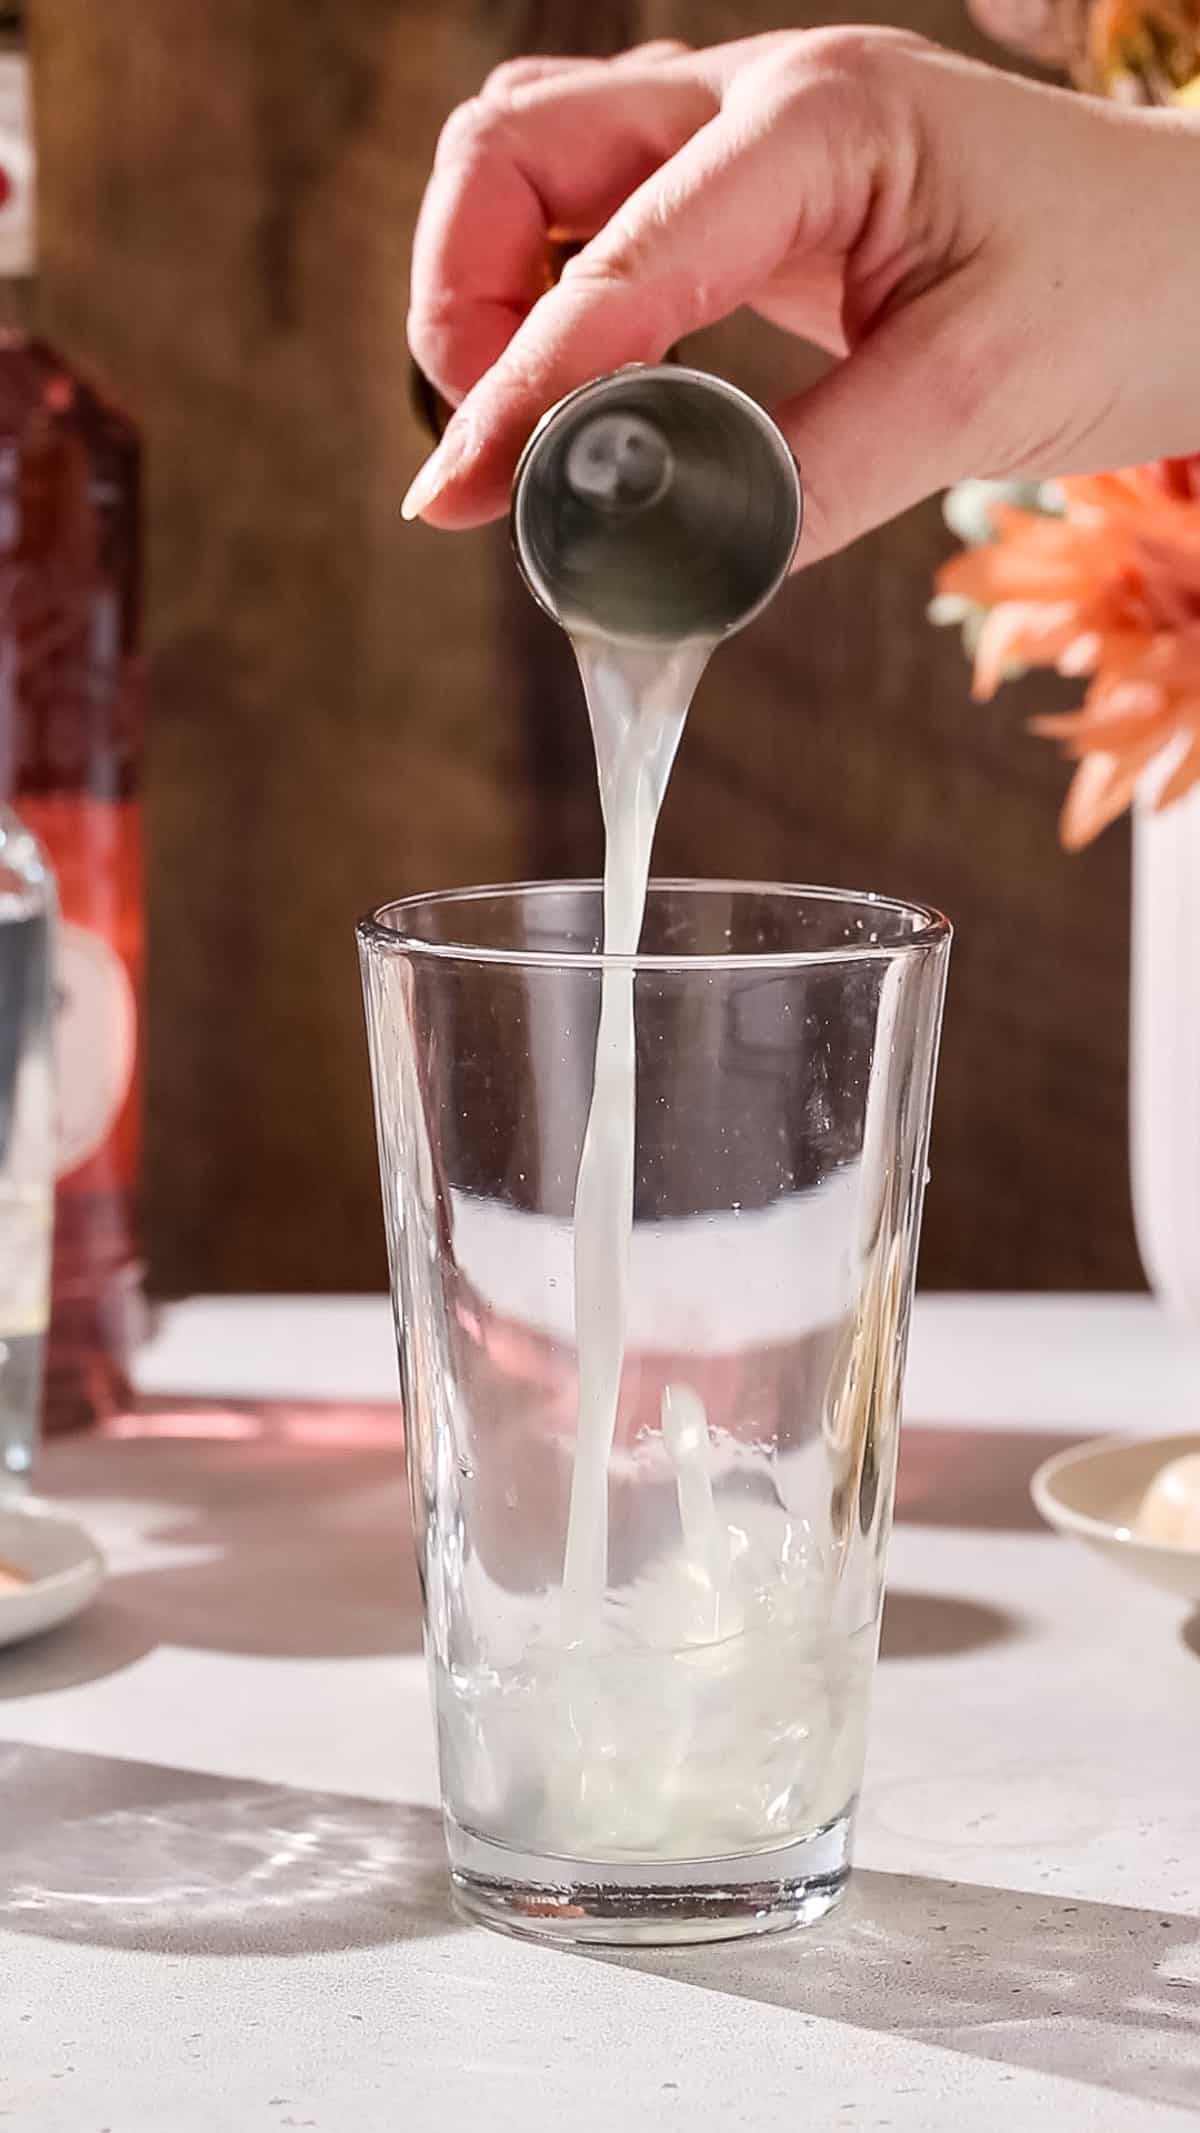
{"x":885,"y":428}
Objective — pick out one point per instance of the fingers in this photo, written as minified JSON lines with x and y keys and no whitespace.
{"x":699,"y":235}
{"x":558,"y":148}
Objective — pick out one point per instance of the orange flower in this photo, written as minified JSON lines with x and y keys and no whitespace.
{"x":1109,"y":589}
{"x":1144,"y":51}
{"x":1135,"y":51}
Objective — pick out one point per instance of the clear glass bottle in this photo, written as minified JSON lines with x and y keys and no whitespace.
{"x":27,"y":914}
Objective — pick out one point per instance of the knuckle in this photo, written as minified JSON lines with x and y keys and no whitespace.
{"x":618,"y":264}
{"x":440,"y":342}
{"x":661,"y":48}
{"x":621,"y":270}
{"x":428,"y":329}
{"x":509,"y":76}
{"x":850,"y":54}
{"x":473,"y":130}
{"x":861,"y":50}
{"x":612,"y":259}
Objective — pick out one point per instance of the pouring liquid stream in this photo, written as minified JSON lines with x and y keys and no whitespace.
{"x":706,"y":1705}
{"x":638,"y":698}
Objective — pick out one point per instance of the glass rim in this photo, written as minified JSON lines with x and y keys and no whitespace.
{"x":933,"y":929}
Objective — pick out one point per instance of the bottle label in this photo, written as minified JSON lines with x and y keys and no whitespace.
{"x":16,"y":167}
{"x":95,"y":1042}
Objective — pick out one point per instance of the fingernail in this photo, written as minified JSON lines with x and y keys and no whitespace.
{"x":432,"y":478}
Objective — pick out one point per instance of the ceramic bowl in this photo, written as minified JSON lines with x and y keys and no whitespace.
{"x":61,"y":1566}
{"x":1093,"y":1492}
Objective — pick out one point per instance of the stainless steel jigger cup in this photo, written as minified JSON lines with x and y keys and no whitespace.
{"x":656,"y":506}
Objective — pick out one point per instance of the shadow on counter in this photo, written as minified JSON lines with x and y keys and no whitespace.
{"x":116,"y":1854}
{"x":1096,"y":1992}
{"x":277,"y":1529}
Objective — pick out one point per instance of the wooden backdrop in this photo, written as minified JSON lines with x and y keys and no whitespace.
{"x":345,"y":709}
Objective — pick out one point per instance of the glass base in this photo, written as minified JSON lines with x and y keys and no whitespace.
{"x":673,"y":1903}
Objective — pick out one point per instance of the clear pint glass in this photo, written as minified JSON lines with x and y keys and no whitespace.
{"x":680,"y":1759}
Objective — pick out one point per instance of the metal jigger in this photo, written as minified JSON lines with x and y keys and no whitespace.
{"x":655,"y":506}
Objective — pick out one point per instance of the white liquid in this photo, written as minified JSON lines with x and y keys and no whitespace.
{"x":710,"y":1705}
{"x":637,"y":702}
{"x":703,"y":1716}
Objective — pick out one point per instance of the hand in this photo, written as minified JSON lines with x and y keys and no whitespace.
{"x":1003,"y":269}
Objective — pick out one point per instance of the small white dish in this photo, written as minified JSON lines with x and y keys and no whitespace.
{"x":1093,"y":1492}
{"x":62,"y":1566}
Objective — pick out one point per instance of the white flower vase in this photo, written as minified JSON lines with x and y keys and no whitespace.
{"x":1165,"y":1048}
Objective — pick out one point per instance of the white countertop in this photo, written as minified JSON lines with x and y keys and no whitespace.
{"x":222,"y":1898}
